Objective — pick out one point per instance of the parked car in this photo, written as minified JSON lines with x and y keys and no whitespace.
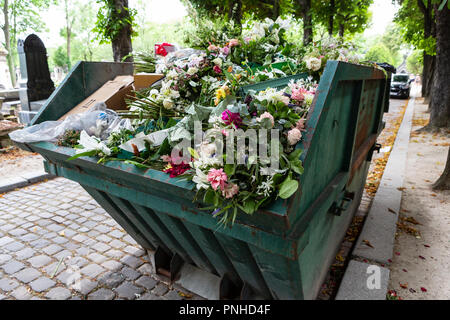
{"x":400,"y":86}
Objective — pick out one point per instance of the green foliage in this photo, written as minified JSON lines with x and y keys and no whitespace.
{"x":414,"y":63}
{"x":349,"y":16}
{"x":379,"y":53}
{"x":111,"y":21}
{"x":411,"y":21}
{"x":204,"y":31}
{"x":59,"y":57}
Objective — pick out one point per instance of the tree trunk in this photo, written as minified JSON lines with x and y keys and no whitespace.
{"x":440,"y":103}
{"x":235,"y":12}
{"x":331,"y":18}
{"x":305,"y":6}
{"x":427,"y":75}
{"x":276,"y":9}
{"x":7,"y":34}
{"x":428,"y":60}
{"x":121,"y":45}
{"x":443,"y":183}
{"x":341,"y":30}
{"x":68,"y":33}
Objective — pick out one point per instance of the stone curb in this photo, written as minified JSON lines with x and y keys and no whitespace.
{"x":24,"y":180}
{"x":381,"y":222}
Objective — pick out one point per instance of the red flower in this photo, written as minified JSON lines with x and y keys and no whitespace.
{"x":160,"y":50}
{"x":217,"y":69}
{"x":177,"y":169}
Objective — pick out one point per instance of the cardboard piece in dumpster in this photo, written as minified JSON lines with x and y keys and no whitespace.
{"x":112,"y":93}
{"x":144,"y":80}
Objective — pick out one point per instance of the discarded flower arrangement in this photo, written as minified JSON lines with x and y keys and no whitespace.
{"x":239,"y":149}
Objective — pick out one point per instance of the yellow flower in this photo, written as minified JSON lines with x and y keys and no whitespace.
{"x":220,"y":93}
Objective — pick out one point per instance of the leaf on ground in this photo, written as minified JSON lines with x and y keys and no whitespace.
{"x":184,"y":295}
{"x":340,"y":258}
{"x":423,"y":289}
{"x":397,"y":253}
{"x":392,"y":211}
{"x":403,"y":285}
{"x":421,"y":257}
{"x":389,"y":260}
{"x":401,"y":188}
{"x":426,"y":246}
{"x":367,"y":242}
{"x":404,"y":270}
{"x":412,"y":290}
{"x":411,"y":220}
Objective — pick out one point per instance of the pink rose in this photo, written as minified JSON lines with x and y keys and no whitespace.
{"x":234,"y":42}
{"x":225,"y":50}
{"x":230,"y":190}
{"x":217,"y":178}
{"x":266,"y":115}
{"x":213,"y":48}
{"x":294,"y":136}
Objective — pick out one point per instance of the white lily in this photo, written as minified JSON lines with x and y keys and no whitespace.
{"x":201,"y":179}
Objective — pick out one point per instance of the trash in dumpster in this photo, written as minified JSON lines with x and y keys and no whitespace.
{"x":112,"y":93}
{"x":282,"y":221}
{"x":98,"y":121}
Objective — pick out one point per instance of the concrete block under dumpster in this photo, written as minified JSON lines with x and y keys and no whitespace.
{"x":280,"y":252}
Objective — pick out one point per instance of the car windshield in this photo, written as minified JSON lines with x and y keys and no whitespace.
{"x":400,"y":78}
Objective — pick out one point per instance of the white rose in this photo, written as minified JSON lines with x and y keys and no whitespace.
{"x":313,"y":64}
{"x":192,"y":70}
{"x":217,"y":62}
{"x":168,"y":103}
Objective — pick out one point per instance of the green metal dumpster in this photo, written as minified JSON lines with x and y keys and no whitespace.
{"x":281,"y":252}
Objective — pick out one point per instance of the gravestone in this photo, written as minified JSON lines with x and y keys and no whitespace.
{"x":35,"y":83}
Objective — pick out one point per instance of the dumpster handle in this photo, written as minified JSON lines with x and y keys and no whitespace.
{"x":345,"y":204}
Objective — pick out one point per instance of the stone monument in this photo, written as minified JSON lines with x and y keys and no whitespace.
{"x":35,"y":82}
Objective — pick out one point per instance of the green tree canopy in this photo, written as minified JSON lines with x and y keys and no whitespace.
{"x":379,"y":53}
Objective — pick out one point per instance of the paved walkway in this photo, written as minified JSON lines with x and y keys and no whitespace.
{"x":421,"y":264}
{"x":57,"y":243}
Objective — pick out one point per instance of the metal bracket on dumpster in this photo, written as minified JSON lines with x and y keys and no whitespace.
{"x":344,"y":205}
{"x":168,"y":265}
{"x":247,"y":293}
{"x":228,"y":289}
{"x":376,"y":147}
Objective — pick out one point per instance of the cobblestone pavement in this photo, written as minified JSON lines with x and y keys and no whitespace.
{"x":56,"y":242}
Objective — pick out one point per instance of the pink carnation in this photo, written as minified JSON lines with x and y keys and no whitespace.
{"x":217,"y":178}
{"x":294,"y":136}
{"x":297,"y":95}
{"x":230,"y":190}
{"x":300,"y":125}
